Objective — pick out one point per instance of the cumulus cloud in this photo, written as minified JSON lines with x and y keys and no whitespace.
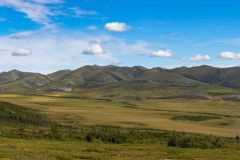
{"x":116,"y":26}
{"x":230,"y":55}
{"x":94,"y":49}
{"x":162,"y":53}
{"x":22,"y":52}
{"x":200,"y":57}
{"x":36,"y":10}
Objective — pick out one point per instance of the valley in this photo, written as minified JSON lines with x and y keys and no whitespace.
{"x":110,"y":112}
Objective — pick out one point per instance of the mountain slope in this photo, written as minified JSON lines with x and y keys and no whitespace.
{"x":57,"y":75}
{"x":11,"y":76}
{"x":92,"y":76}
{"x":23,"y":81}
{"x":227,"y":77}
{"x":166,"y":77}
{"x":125,"y":77}
{"x":88,"y":76}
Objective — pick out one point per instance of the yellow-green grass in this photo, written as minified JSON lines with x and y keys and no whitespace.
{"x":150,"y":113}
{"x":19,"y":149}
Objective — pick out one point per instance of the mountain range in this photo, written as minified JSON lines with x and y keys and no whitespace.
{"x":110,"y":76}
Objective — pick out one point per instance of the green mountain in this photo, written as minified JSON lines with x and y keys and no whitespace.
{"x":121,"y":77}
{"x":16,"y":80}
{"x":11,"y":76}
{"x":88,"y":75}
{"x":165,"y":77}
{"x":58,"y":75}
{"x":227,"y":77}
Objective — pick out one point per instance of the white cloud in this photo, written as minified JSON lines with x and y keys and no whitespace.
{"x":80,"y":12}
{"x":116,"y":26}
{"x":36,"y":10}
{"x":58,"y":50}
{"x":94,"y":49}
{"x":162,"y":53}
{"x":200,"y":57}
{"x":61,"y":50}
{"x":230,"y":55}
{"x":92,"y":27}
{"x":22,"y":52}
{"x":115,"y":63}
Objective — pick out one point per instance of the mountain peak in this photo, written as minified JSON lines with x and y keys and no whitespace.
{"x":15,"y":71}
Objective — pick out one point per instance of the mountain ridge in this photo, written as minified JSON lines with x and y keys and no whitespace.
{"x":95,"y":76}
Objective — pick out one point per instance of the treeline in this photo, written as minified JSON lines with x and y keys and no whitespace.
{"x":16,"y":114}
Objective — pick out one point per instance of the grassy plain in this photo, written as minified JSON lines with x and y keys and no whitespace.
{"x":216,"y":116}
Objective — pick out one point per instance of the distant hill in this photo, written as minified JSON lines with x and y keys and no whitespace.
{"x":17,"y":80}
{"x":120,"y":77}
{"x":227,"y":77}
{"x":11,"y":76}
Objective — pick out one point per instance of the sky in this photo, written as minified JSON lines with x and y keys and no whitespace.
{"x":49,"y":35}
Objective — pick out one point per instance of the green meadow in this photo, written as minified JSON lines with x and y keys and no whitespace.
{"x":100,"y":126}
{"x":216,"y":116}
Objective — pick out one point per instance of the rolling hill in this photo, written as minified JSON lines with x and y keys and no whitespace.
{"x":17,"y":80}
{"x":227,"y":77}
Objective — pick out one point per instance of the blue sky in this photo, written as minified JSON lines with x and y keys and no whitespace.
{"x":48,"y":35}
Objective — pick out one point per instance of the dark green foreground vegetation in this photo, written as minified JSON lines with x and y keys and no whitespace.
{"x":95,"y":139}
{"x":112,"y":135}
{"x":15,"y":114}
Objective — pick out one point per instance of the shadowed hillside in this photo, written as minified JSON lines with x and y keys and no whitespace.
{"x":227,"y":77}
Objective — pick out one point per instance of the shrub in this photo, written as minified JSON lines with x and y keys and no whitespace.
{"x":55,"y":131}
{"x":107,"y":135}
{"x":237,"y":138}
{"x":89,"y":137}
{"x":195,"y":141}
